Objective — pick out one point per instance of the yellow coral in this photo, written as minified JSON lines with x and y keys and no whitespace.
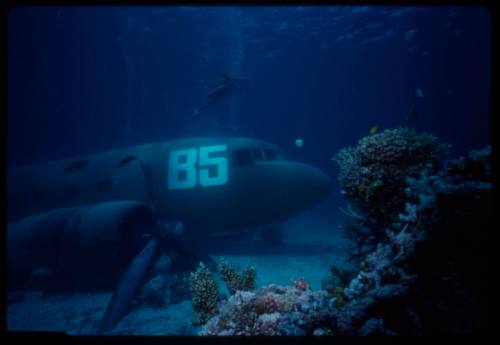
{"x":338,"y":294}
{"x":362,"y":187}
{"x":235,"y":281}
{"x":204,"y":293}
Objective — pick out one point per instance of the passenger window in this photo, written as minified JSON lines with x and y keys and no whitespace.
{"x":270,"y":155}
{"x":242,"y":158}
{"x":258,"y":154}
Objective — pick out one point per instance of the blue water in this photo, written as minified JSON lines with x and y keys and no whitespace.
{"x":82,"y":79}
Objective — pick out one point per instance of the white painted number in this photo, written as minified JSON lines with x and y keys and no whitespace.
{"x":219,"y":162}
{"x":182,"y":171}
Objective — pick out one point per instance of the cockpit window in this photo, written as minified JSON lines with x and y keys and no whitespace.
{"x":246,"y":157}
{"x":242,"y":158}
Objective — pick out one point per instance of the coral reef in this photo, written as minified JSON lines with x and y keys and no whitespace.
{"x":455,"y":212}
{"x":413,"y":277}
{"x":373,"y":176}
{"x":234,"y":281}
{"x":419,"y":273}
{"x":335,"y":283}
{"x":205,"y":293}
{"x":272,"y":310}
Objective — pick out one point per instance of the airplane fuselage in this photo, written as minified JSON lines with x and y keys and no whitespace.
{"x":210,"y":184}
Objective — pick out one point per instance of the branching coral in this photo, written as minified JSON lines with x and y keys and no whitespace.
{"x":411,"y":213}
{"x":335,"y":283}
{"x":234,"y":281}
{"x":205,"y":293}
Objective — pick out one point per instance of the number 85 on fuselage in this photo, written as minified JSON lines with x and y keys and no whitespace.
{"x":237,"y":182}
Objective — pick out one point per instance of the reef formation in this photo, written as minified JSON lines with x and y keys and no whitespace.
{"x":421,"y":263}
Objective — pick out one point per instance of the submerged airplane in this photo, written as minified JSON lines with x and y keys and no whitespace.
{"x":110,"y":214}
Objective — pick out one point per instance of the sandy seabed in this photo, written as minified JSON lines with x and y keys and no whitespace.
{"x":79,"y":313}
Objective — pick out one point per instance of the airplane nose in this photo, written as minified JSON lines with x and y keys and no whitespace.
{"x":302,"y":185}
{"x":317,"y":183}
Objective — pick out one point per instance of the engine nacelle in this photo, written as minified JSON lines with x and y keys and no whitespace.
{"x":93,"y":239}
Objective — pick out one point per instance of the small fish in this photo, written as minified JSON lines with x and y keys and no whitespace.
{"x":419,"y":93}
{"x":412,"y":114}
{"x":409,"y":34}
{"x":299,"y":142}
{"x":373,"y":130}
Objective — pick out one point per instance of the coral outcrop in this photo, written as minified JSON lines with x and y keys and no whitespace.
{"x":205,"y":293}
{"x":420,"y":272}
{"x":234,"y":281}
{"x":272,"y":310}
{"x":372,"y":174}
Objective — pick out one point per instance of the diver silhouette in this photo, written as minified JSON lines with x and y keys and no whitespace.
{"x":220,"y":90}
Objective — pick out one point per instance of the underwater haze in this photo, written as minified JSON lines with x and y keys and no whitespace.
{"x":86,"y":78}
{"x":315,"y":159}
